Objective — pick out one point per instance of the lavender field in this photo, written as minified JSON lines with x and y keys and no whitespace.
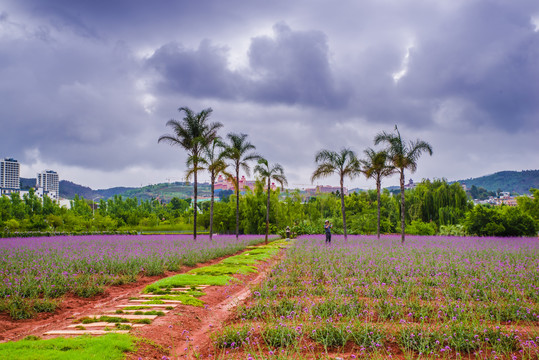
{"x":33,"y":270}
{"x":439,"y":297}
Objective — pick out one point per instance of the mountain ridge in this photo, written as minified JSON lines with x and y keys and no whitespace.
{"x":518,"y":182}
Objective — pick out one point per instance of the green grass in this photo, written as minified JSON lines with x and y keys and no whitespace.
{"x":223,"y":269}
{"x":186,"y":299}
{"x":110,"y":346}
{"x":183,"y":280}
{"x":216,"y":275}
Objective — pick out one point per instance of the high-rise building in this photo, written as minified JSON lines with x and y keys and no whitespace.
{"x":47,"y":182}
{"x":9,"y":176}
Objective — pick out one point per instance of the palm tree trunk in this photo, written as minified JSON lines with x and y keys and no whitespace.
{"x":378,"y":186}
{"x":211,"y":205}
{"x":343,"y":210}
{"x":237,"y":201}
{"x":402,"y":206}
{"x":195,"y":206}
{"x":267,"y":212}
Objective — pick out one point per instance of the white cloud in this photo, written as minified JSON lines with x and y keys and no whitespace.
{"x":404,"y":65}
{"x":535,"y":22}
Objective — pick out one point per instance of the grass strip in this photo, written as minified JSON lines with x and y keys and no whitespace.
{"x":110,"y":346}
{"x":218,"y":275}
{"x":182,"y":280}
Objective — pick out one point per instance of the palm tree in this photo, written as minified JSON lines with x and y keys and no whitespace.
{"x":238,"y":152}
{"x":403,"y":156}
{"x":192,"y":133}
{"x":275,"y":172}
{"x":376,"y":166}
{"x":214,"y":162}
{"x":344,"y":164}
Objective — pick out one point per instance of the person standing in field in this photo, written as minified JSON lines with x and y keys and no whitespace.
{"x":327,"y":228}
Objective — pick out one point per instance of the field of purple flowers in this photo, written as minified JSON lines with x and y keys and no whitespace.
{"x":33,"y":271}
{"x":433,"y":297}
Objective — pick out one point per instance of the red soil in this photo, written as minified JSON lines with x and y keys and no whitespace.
{"x":175,"y":335}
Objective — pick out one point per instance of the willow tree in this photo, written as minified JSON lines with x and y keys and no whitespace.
{"x":192,"y":133}
{"x":404,"y":156}
{"x":377,"y":166}
{"x":344,"y":164}
{"x":268,"y":173}
{"x":239,"y":151}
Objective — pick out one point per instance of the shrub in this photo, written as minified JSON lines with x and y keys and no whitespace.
{"x":280,"y":336}
{"x":330,"y":335}
{"x":231,"y":337}
{"x":418,"y":227}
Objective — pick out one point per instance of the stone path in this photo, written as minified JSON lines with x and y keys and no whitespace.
{"x":123,"y":317}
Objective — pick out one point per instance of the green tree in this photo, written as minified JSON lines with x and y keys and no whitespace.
{"x":5,"y":208}
{"x":239,"y":152}
{"x":268,"y":173}
{"x":499,"y":221}
{"x":344,"y":164}
{"x":18,"y":210}
{"x":214,"y":162}
{"x":530,"y":205}
{"x":376,"y":166}
{"x":80,"y":207}
{"x":404,"y":156}
{"x":192,"y":133}
{"x":12,"y":225}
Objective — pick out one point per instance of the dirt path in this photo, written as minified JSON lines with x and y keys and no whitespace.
{"x":185,"y":331}
{"x":74,"y":307}
{"x":217,"y":316}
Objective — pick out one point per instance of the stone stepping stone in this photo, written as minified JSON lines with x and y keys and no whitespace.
{"x":147,"y":305}
{"x":165,"y":301}
{"x":133,"y":311}
{"x":124,"y":316}
{"x":82,"y":332}
{"x":103,"y":324}
{"x":199,"y":287}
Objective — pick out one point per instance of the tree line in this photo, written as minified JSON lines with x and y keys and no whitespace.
{"x":430,"y":208}
{"x":433,"y":207}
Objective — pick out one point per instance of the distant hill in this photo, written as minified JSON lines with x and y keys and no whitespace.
{"x":27,"y":183}
{"x":163,"y":191}
{"x":512,"y":181}
{"x":69,"y":189}
{"x":518,"y":182}
{"x":166,"y":191}
{"x":108,"y":193}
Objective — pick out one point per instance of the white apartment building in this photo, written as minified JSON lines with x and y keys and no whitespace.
{"x":47,"y":182}
{"x":9,"y":176}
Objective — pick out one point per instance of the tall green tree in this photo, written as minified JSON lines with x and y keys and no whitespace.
{"x":377,"y":166}
{"x":404,"y":156}
{"x":344,"y":164}
{"x":239,"y":151}
{"x":215,"y":164}
{"x":268,"y":173}
{"x":192,"y":133}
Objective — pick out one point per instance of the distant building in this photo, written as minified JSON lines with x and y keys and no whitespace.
{"x":225,"y":184}
{"x":410,"y":185}
{"x":47,"y":182}
{"x":9,"y":176}
{"x":325,"y":189}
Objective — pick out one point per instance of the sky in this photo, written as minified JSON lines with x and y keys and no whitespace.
{"x":87,"y":87}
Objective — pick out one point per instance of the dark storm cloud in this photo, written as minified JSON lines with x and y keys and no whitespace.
{"x":72,"y":101}
{"x":201,"y":72}
{"x":292,"y":67}
{"x":92,"y":83}
{"x":486,"y":54}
